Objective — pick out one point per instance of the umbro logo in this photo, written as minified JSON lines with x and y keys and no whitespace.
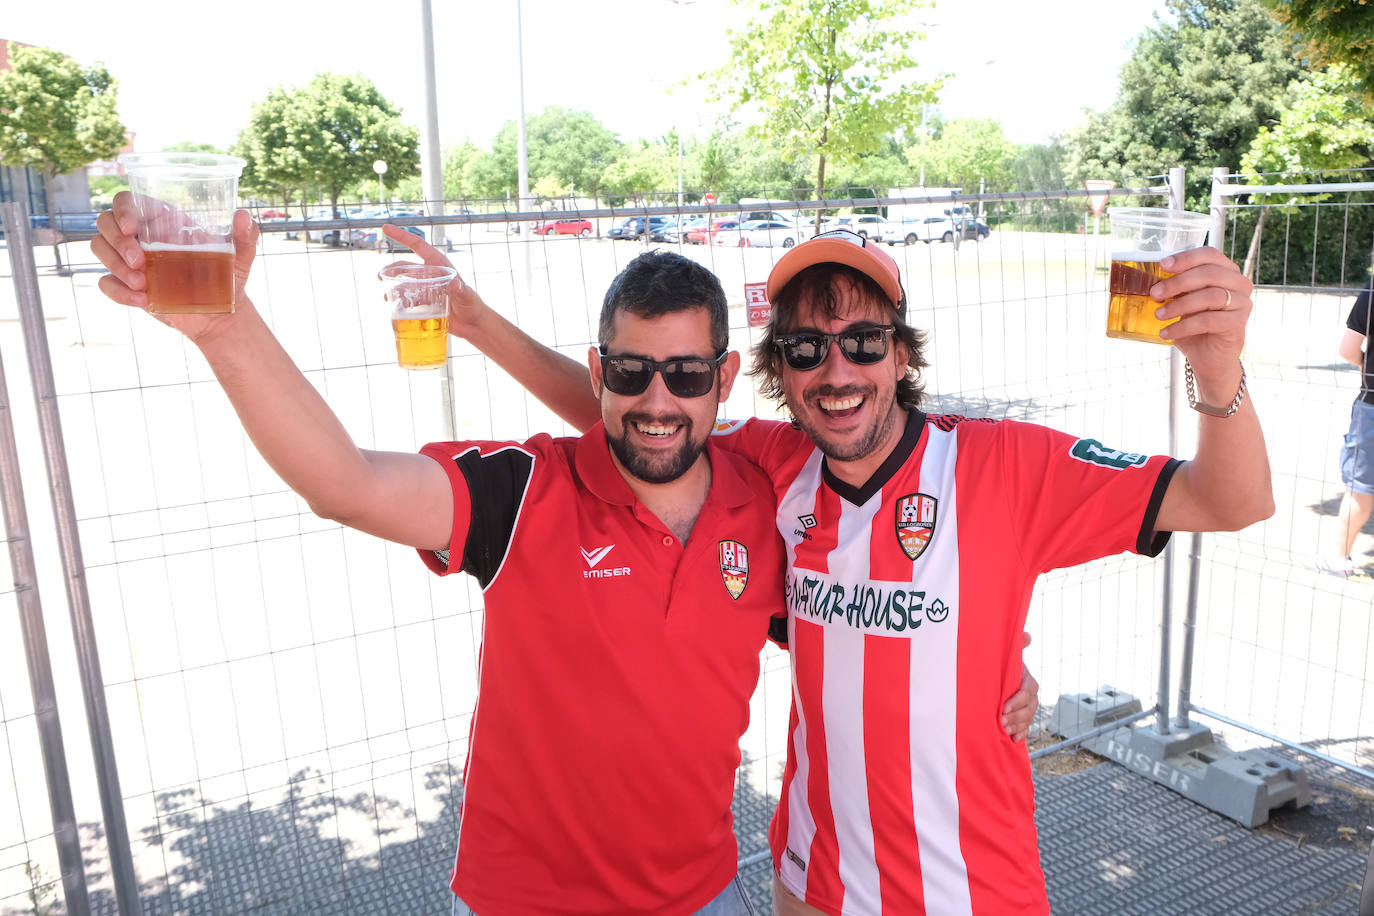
{"x":808,"y":521}
{"x":595,"y":556}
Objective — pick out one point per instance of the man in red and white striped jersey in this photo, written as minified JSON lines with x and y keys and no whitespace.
{"x":913,"y":543}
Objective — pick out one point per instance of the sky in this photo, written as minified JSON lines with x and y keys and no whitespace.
{"x":194,"y":76}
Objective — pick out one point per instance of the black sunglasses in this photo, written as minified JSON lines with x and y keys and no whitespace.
{"x":864,"y":346}
{"x":686,"y":377}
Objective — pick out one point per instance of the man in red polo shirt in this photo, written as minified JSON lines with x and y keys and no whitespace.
{"x":629,"y":577}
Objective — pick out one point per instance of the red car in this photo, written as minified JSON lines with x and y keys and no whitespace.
{"x":704,"y":236}
{"x":582,"y":227}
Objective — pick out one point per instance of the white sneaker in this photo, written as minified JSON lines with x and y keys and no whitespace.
{"x":1336,"y":566}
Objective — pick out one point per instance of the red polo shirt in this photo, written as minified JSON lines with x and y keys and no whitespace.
{"x":615,"y":675}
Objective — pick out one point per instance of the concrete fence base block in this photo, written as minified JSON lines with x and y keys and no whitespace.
{"x":1242,"y":785}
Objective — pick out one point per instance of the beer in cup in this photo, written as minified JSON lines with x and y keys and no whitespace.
{"x":185,"y":207}
{"x":418,"y":297}
{"x":1141,"y":238}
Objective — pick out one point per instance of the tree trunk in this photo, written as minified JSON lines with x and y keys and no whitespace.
{"x":49,"y":176}
{"x":1252,"y":255}
{"x":820,"y":190}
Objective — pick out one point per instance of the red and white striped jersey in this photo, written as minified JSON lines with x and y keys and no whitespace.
{"x":902,"y":794}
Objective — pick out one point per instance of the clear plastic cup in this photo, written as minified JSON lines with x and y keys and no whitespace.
{"x":1141,"y":238}
{"x":185,"y":226}
{"x":418,"y":298}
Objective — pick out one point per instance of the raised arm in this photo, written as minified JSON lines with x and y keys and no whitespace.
{"x":1226,"y":486}
{"x":402,"y":497}
{"x":561,"y":383}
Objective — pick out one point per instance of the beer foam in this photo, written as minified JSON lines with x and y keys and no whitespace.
{"x":216,"y":247}
{"x":1143,"y":256}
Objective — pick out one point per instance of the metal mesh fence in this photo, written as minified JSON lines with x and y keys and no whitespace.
{"x":290,"y":700}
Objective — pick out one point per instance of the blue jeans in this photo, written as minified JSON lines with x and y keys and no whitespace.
{"x":732,"y":901}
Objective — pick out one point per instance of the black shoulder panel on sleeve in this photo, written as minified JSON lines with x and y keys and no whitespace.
{"x":496,"y":487}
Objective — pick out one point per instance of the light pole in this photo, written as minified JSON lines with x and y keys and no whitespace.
{"x":380,"y":168}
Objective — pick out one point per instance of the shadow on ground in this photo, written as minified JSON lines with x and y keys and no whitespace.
{"x":336,"y":852}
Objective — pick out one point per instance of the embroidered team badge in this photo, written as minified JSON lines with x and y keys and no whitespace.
{"x":734,"y":567}
{"x":915,"y":523}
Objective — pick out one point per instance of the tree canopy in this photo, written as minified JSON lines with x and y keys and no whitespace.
{"x":967,"y":149}
{"x":1194,"y":92}
{"x":826,"y":78}
{"x":56,"y":115}
{"x":325,"y":136}
{"x":1333,"y":32}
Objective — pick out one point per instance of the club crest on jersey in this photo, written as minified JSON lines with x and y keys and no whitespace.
{"x":734,"y":567}
{"x":915,"y":523}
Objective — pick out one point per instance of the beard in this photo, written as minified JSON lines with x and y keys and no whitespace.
{"x":655,"y":467}
{"x":863,"y":443}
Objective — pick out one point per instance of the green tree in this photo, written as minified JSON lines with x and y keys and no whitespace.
{"x":1333,"y":32}
{"x":56,"y":115}
{"x":1326,"y":128}
{"x":966,"y":150}
{"x":646,"y":168}
{"x":189,"y":146}
{"x":569,"y":148}
{"x":829,"y":78}
{"x":456,"y":159}
{"x":1194,"y":93}
{"x":326,"y":136}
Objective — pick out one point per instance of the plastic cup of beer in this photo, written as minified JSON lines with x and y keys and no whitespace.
{"x":1141,"y":238}
{"x":185,"y":207}
{"x":418,"y":297}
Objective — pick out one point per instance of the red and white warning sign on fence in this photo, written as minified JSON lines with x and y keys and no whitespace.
{"x":756,"y":301}
{"x":1098,"y":201}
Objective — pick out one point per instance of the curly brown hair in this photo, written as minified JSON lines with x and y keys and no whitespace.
{"x":818,"y":285}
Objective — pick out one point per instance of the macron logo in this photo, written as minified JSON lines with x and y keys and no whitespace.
{"x":594,"y":557}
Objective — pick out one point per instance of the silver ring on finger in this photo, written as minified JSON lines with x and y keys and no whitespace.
{"x":1228,"y":300}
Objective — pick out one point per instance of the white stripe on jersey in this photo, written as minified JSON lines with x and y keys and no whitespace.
{"x":801,"y":826}
{"x":844,"y":726}
{"x":934,"y":674}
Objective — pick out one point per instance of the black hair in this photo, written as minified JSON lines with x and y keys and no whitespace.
{"x":660,"y":282}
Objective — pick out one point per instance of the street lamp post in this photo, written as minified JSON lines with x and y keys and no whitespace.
{"x":380,"y":168}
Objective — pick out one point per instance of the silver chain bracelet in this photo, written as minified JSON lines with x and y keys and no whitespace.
{"x":1208,"y":409}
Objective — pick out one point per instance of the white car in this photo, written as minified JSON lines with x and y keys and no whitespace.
{"x":759,"y":233}
{"x":911,"y":231}
{"x":869,"y":225}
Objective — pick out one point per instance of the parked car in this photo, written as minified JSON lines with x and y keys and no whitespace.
{"x":376,"y":238}
{"x":562,"y":226}
{"x":919,"y":229}
{"x":666,"y":232}
{"x":865,"y":224}
{"x":632,"y":227}
{"x":762,"y":233}
{"x":966,"y":228}
{"x":678,"y":233}
{"x":703,"y":235}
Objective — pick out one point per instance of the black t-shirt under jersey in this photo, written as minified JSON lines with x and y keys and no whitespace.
{"x":1359,"y":321}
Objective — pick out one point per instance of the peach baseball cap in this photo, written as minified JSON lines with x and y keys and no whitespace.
{"x":841,"y":246}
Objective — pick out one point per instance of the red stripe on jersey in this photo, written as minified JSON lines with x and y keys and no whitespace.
{"x":887,"y":745}
{"x":813,"y":552}
{"x":823,"y":859}
{"x":777,"y":830}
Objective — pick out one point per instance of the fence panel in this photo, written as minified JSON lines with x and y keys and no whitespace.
{"x":291,"y":699}
{"x":1283,"y":649}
